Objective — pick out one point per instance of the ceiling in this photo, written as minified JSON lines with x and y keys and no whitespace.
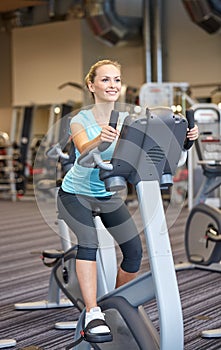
{"x":12,"y":5}
{"x":207,"y":16}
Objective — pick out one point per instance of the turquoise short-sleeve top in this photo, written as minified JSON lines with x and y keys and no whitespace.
{"x":85,"y":181}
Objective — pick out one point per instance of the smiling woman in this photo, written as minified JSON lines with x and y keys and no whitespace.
{"x":104,"y":81}
{"x":82,"y":191}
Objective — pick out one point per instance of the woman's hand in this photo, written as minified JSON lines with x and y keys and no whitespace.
{"x":193,"y":134}
{"x":108,"y":134}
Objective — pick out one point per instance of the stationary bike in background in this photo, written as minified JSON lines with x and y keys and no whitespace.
{"x":47,"y":184}
{"x":203,"y":227}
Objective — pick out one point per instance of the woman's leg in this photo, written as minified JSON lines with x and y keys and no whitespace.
{"x":124,"y":277}
{"x":87,"y":277}
{"x":77,"y":213}
{"x":122,"y":227}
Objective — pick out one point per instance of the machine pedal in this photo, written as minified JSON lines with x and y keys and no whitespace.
{"x":53,"y":254}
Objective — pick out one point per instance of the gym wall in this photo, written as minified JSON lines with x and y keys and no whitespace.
{"x":193,"y":55}
{"x":45,"y":56}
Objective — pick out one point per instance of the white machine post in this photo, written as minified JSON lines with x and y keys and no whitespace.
{"x":162,"y":265}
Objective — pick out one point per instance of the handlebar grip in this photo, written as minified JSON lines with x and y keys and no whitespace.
{"x":113,"y":122}
{"x":55,"y":152}
{"x":190,"y":118}
{"x":114,"y":118}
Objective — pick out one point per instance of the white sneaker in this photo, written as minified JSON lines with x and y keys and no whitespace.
{"x":95,"y":314}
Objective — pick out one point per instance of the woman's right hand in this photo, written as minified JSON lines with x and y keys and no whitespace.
{"x":108,"y":134}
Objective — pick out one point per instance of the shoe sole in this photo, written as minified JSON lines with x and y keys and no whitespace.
{"x":98,"y":338}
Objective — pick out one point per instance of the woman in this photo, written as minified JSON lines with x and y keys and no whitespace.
{"x":82,"y":191}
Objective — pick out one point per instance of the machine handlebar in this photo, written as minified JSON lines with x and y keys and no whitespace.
{"x":55,"y":152}
{"x":190,"y":118}
{"x":113,"y":122}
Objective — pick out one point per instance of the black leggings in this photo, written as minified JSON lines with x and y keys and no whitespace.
{"x":77,"y":212}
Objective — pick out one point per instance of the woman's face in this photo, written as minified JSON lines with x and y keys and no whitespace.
{"x":107,"y":84}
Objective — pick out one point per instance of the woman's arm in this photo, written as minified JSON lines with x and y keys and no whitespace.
{"x":81,"y":141}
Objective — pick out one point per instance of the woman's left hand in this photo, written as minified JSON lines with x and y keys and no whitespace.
{"x":193,"y":133}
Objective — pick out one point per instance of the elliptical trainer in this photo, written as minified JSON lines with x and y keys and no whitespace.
{"x":156,"y":138}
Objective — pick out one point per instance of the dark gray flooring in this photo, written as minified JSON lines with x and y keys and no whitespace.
{"x":23,"y":277}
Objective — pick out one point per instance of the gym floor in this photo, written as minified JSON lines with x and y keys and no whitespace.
{"x":23,"y":277}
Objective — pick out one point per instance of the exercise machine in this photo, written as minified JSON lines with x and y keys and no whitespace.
{"x":11,"y":179}
{"x":203,"y":238}
{"x":55,"y":258}
{"x":201,"y":174}
{"x":54,"y":299}
{"x":205,"y":223}
{"x":47,"y":183}
{"x":203,"y":226}
{"x":208,"y":147}
{"x":148,"y":160}
{"x":146,"y":155}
